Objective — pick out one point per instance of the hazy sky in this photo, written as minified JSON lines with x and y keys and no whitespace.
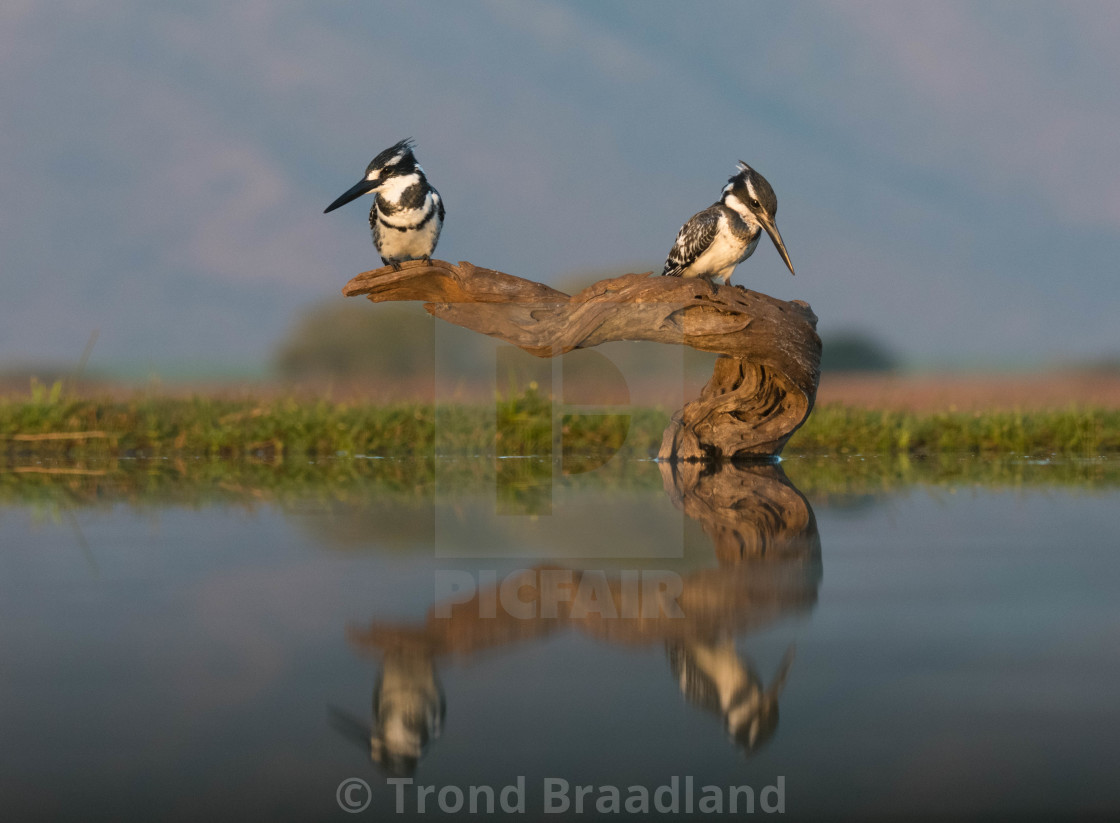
{"x":947,"y":172}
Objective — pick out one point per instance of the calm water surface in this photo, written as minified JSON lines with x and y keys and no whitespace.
{"x":883,"y":647}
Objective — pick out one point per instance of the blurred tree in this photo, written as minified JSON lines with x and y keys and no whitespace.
{"x":353,"y":339}
{"x":856,"y":351}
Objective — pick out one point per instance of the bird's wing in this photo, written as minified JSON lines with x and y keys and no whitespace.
{"x":439,"y":204}
{"x":695,"y":236}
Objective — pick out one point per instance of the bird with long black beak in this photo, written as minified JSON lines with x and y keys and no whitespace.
{"x":407,"y":213}
{"x":713,"y":242}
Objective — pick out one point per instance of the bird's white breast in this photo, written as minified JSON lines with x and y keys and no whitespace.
{"x":408,"y":217}
{"x":726,"y":251}
{"x":410,"y":244}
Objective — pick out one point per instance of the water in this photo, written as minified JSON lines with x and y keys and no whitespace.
{"x":197,"y":642}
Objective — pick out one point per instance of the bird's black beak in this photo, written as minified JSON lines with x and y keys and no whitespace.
{"x":363,"y":186}
{"x":772,"y":230}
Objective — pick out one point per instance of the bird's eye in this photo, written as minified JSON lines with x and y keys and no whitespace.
{"x":755,"y":203}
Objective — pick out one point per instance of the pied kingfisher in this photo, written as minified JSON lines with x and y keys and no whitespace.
{"x":714,"y":677}
{"x":408,"y":712}
{"x":713,"y":242}
{"x":407,"y":213}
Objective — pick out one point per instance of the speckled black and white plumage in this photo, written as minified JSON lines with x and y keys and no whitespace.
{"x":714,"y":241}
{"x":711,"y":675}
{"x":711,"y":244}
{"x":407,"y":212}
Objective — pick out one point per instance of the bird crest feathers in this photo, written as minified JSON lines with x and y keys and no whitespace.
{"x":397,"y":151}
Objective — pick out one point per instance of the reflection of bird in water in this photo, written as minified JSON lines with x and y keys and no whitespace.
{"x":408,"y":713}
{"x":769,"y":554}
{"x":714,"y":677}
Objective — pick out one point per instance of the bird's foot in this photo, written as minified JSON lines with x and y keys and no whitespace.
{"x":427,"y":260}
{"x":396,"y":266}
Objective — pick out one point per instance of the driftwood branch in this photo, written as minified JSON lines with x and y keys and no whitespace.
{"x":764,"y":383}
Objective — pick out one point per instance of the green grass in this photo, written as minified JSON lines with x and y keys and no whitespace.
{"x":1073,"y":432}
{"x":49,"y":423}
{"x":54,"y":425}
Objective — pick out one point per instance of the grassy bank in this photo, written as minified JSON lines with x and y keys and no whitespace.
{"x":50,"y":424}
{"x":1073,"y":432}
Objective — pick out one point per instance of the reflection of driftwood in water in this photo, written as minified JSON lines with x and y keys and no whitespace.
{"x":763,"y":385}
{"x":770,"y":567}
{"x":780,"y":525}
{"x":710,"y":602}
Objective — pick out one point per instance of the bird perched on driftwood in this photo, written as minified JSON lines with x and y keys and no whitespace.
{"x":407,"y":213}
{"x":713,"y":242}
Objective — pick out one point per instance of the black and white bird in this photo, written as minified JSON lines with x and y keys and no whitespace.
{"x":407,"y":213}
{"x":713,"y":676}
{"x":409,"y":710}
{"x":713,"y":242}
